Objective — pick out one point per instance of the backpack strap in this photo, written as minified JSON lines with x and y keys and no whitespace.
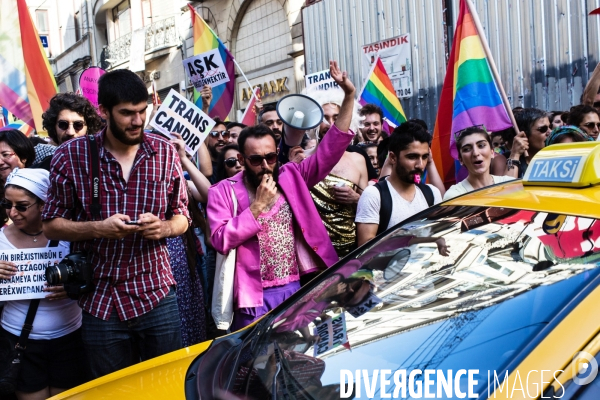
{"x":95,"y":161}
{"x":385,"y":211}
{"x":427,"y":192}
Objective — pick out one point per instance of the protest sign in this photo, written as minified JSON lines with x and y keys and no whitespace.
{"x":88,"y":82}
{"x":395,"y":53}
{"x":206,"y":69}
{"x":320,"y":81}
{"x":331,"y":333}
{"x":30,"y":279}
{"x":370,"y":302}
{"x":178,"y":114}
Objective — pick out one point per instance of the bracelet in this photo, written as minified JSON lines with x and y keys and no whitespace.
{"x":510,"y":163}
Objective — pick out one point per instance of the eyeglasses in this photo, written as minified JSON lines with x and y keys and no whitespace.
{"x":6,"y":155}
{"x":230,"y":162}
{"x":542,"y":129}
{"x":216,"y":134}
{"x":19,"y":207}
{"x":597,"y":104}
{"x":256,"y":160}
{"x":590,"y":125}
{"x":64,"y":125}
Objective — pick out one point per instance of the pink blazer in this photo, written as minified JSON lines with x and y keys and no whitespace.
{"x":313,"y":246}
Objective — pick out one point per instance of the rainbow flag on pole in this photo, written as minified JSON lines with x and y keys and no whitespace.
{"x":26,"y":80}
{"x":470,"y":95}
{"x":205,"y":40}
{"x":378,"y":90}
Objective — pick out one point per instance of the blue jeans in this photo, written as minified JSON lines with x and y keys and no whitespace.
{"x":114,"y":344}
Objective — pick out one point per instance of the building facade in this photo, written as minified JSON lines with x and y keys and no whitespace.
{"x":153,"y":37}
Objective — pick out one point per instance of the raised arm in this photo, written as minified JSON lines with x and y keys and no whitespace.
{"x":591,"y":89}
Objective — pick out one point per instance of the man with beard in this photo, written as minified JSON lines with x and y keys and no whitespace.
{"x":268,"y":116}
{"x":372,"y":123}
{"x":131,"y":313}
{"x":217,"y":138}
{"x":408,"y":155}
{"x":274,"y":229}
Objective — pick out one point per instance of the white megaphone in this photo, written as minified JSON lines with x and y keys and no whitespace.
{"x":299,"y":113}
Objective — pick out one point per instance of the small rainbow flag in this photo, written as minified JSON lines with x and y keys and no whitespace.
{"x":205,"y":40}
{"x":470,"y":95}
{"x":378,"y":90}
{"x":26,"y":80}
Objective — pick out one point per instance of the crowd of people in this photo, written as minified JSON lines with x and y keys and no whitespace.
{"x":151,"y":219}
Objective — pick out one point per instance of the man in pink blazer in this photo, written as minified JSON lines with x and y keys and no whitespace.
{"x":277,"y":230}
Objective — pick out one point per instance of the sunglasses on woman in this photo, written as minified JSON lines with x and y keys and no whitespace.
{"x":231,"y":162}
{"x":542,"y":129}
{"x":64,"y":125}
{"x":590,"y":125}
{"x":19,"y":207}
{"x":256,"y":160}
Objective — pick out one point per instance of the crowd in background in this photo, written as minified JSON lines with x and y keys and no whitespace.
{"x":256,"y":190}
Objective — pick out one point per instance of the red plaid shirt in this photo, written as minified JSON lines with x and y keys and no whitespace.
{"x":132,"y":273}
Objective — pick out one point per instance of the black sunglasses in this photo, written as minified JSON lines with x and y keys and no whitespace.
{"x":590,"y":125}
{"x":256,"y":160}
{"x":64,"y":125}
{"x":542,"y":129}
{"x":216,"y":134}
{"x":19,"y":207}
{"x":230,"y":162}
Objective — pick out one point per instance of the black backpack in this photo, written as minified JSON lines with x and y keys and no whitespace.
{"x":385,"y":211}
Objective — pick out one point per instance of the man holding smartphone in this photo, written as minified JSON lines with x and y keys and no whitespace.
{"x":143,"y":200}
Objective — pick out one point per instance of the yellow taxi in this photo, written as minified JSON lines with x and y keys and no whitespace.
{"x":494,"y":294}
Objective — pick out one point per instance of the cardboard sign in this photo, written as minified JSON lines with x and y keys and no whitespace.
{"x":332,"y":333}
{"x":178,"y":114}
{"x":30,"y":279}
{"x":206,"y":69}
{"x":395,"y":53}
{"x":88,"y":82}
{"x":321,"y":81}
{"x":365,"y":306}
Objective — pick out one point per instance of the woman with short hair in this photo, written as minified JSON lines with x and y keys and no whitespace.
{"x":475,"y":152}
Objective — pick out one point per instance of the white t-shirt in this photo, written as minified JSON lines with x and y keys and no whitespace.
{"x":464,"y":186}
{"x":53,"y":319}
{"x":369,"y":205}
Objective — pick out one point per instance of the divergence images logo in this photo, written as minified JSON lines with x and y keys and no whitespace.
{"x":584,"y":368}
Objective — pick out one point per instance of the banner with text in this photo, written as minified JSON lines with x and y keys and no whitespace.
{"x":332,"y":333}
{"x":178,"y":114}
{"x":395,"y":53}
{"x":321,"y":81}
{"x":30,"y":279}
{"x":88,"y":82}
{"x":206,"y":69}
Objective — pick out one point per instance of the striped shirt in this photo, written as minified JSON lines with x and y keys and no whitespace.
{"x":132,"y":274}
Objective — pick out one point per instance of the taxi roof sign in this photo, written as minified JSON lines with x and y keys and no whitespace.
{"x":567,"y":165}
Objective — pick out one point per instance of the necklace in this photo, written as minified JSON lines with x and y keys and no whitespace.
{"x":34,"y":235}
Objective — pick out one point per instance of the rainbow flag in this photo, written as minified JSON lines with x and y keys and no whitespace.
{"x":378,"y":90}
{"x":26,"y":80}
{"x":206,"y":40}
{"x":470,"y":95}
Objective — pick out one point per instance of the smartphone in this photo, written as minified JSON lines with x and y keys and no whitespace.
{"x":132,"y":223}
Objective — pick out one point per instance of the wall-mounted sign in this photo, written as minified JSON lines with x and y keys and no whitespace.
{"x":267,"y":89}
{"x":395,"y":53}
{"x":44,"y":40}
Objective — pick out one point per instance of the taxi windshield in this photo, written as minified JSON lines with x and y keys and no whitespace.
{"x":452,"y":288}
